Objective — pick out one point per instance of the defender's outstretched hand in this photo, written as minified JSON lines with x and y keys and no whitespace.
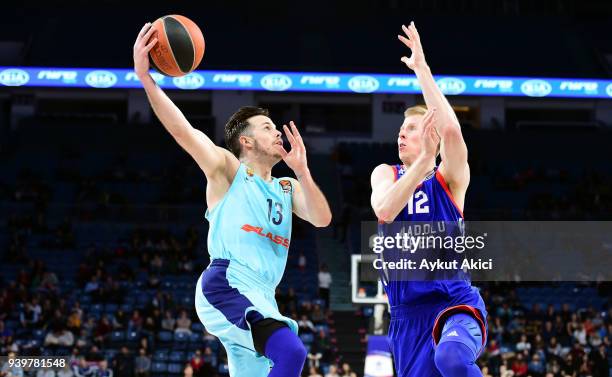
{"x":296,"y":158}
{"x":413,"y":42}
{"x":142,"y":48}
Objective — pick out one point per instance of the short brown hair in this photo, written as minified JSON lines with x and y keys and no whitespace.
{"x":236,"y":125}
{"x":415,"y":110}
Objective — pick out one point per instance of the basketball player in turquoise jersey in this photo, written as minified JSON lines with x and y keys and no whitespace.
{"x":250,"y":215}
{"x":437,"y":328}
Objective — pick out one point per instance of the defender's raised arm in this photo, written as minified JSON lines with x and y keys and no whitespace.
{"x":454,"y":166}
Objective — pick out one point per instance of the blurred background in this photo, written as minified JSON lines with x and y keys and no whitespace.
{"x":103,"y":236}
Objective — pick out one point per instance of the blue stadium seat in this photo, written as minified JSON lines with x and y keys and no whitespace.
{"x":164,"y":336}
{"x":181,"y":337}
{"x":160,"y":355}
{"x":159,"y":367}
{"x":177,"y":356}
{"x":38,"y":334}
{"x":117,"y":337}
{"x":175,"y":368}
{"x":307,"y":338}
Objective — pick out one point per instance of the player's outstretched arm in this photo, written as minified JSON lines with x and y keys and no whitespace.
{"x":213,"y":160}
{"x":389,"y":196}
{"x":309,"y":203}
{"x":454,"y":165}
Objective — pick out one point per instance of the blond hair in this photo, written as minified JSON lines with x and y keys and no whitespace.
{"x":415,"y":110}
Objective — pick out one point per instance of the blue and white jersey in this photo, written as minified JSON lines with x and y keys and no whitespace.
{"x":431,"y":202}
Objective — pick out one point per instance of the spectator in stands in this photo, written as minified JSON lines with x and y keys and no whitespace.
{"x":135,"y":322}
{"x":554,"y":348}
{"x":600,"y":360}
{"x":347,"y":371}
{"x":314,"y":372}
{"x":75,"y":321}
{"x":291,"y":300}
{"x":519,"y":366}
{"x":485,"y":372}
{"x":183,"y":323}
{"x":102,"y":331}
{"x":523,"y":344}
{"x":82,"y":368}
{"x":314,"y":356}
{"x":104,"y":370}
{"x":11,"y":371}
{"x":200,"y":367}
{"x":142,"y":364}
{"x":188,"y":371}
{"x":305,"y":325}
{"x":168,"y":323}
{"x":580,"y":335}
{"x":123,"y":364}
{"x":325,"y":280}
{"x":536,"y":366}
{"x":94,"y":354}
{"x":59,"y":337}
{"x":30,"y":314}
{"x":92,"y":285}
{"x":49,"y":282}
{"x":6,"y":338}
{"x":302,"y":262}
{"x":65,"y":372}
{"x":317,"y":316}
{"x":332,"y":372}
{"x":210,"y":358}
{"x":83,"y":340}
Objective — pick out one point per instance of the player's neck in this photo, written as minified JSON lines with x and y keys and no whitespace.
{"x":261,"y":168}
{"x":429,"y":165}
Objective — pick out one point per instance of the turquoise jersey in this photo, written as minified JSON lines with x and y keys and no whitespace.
{"x":251,"y":225}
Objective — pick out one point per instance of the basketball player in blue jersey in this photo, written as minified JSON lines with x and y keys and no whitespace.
{"x":437,"y":328}
{"x":250,"y":215}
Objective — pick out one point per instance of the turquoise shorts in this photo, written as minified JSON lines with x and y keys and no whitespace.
{"x":229,"y":298}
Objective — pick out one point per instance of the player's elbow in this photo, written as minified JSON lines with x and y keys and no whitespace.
{"x":383,"y":214}
{"x":323,"y":221}
{"x":451,"y":131}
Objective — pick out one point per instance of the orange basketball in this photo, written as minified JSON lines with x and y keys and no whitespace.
{"x":180,"y":45}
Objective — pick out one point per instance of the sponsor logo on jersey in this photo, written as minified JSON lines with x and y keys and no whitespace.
{"x":14,"y":77}
{"x":536,"y":88}
{"x":191,"y":81}
{"x":451,"y":85}
{"x":101,"y":79}
{"x":277,"y":239}
{"x":276,"y":82}
{"x":286,"y":185}
{"x":363,"y":84}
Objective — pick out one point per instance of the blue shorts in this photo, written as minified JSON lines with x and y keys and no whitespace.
{"x":415,"y":331}
{"x":229,"y":298}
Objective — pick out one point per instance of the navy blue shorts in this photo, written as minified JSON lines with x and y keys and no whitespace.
{"x":415,"y":331}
